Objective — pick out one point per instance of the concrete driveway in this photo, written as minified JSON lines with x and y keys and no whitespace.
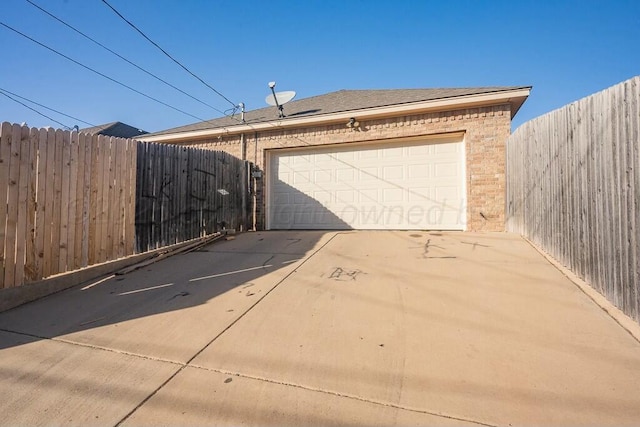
{"x":324,"y":328}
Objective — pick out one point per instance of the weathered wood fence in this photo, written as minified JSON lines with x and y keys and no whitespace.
{"x":70,"y":200}
{"x":573,"y":188}
{"x":184,"y":193}
{"x":66,"y":201}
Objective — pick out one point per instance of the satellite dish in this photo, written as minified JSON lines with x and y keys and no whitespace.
{"x":278,"y":99}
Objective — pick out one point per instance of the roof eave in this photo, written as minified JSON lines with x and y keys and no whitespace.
{"x":514,"y":97}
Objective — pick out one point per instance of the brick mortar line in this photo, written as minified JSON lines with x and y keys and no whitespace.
{"x":340,"y":394}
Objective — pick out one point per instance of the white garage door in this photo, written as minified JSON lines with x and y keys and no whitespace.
{"x":404,"y":186}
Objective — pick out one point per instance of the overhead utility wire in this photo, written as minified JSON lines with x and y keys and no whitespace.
{"x":34,"y":110}
{"x":166,"y":53}
{"x":101,"y":74}
{"x":123,"y":58}
{"x":44,"y":106}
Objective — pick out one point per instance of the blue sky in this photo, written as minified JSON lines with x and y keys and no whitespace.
{"x":566,"y":50}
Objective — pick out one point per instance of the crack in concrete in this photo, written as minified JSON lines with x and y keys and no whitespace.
{"x":95,"y":347}
{"x":341,"y":394}
{"x":146,"y":399}
{"x":182,"y":365}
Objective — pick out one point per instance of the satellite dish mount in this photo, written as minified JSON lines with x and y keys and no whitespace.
{"x":279,"y":99}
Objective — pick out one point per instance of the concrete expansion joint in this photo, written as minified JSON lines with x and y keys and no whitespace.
{"x":94,"y":347}
{"x":340,"y":394}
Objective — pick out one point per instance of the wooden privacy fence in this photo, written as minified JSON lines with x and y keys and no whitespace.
{"x":70,"y":200}
{"x":66,"y":201}
{"x":573,"y":188}
{"x":184,"y":193}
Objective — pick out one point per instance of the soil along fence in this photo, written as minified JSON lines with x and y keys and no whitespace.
{"x":184,"y":193}
{"x":70,"y":200}
{"x":573,"y":188}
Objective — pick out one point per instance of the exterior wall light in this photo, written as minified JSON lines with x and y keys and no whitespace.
{"x":353,"y":124}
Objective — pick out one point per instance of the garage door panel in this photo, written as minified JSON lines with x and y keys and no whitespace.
{"x":323,"y":197}
{"x":392,"y":153}
{"x":450,"y":169}
{"x":281,"y":198}
{"x":367,"y":154}
{"x":345,"y":175}
{"x":393,"y":173}
{"x":392,"y":195}
{"x":418,"y":195}
{"x":298,"y":177}
{"x":346,"y":156}
{"x":412,"y":186}
{"x":446,"y":148}
{"x":419,"y":150}
{"x":367,"y":173}
{"x":420,"y":171}
{"x":346,"y":196}
{"x":322,"y":176}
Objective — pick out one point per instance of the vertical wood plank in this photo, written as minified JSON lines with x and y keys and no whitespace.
{"x":105,"y":188}
{"x":95,"y":200}
{"x":64,"y":201}
{"x":49,"y":197}
{"x":87,"y":197}
{"x":132,"y":161}
{"x":72,"y":200}
{"x":56,"y":222}
{"x":12,"y":207}
{"x":76,"y":262}
{"x":117,"y":247}
{"x":31,"y":256}
{"x":140,"y":203}
{"x":41,"y":203}
{"x":5,"y":160}
{"x":23,"y":190}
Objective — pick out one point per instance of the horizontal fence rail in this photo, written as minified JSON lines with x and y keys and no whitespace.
{"x":573,"y":188}
{"x":66,"y":201}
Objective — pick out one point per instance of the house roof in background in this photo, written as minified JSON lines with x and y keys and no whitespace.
{"x":345,"y":101}
{"x":117,"y":129}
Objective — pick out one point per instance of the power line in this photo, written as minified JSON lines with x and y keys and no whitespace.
{"x":166,"y":53}
{"x":122,"y":57}
{"x":34,"y":110}
{"x":101,"y":74}
{"x":44,"y":106}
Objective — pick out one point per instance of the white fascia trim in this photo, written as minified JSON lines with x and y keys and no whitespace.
{"x":367,"y":113}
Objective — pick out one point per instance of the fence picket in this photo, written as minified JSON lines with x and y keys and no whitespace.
{"x":78,"y":202}
{"x":75,"y":199}
{"x":41,"y":204}
{"x":12,"y":206}
{"x":5,"y":156}
{"x":30,"y":267}
{"x":23,"y":189}
{"x":72,"y":201}
{"x":584,"y":160}
{"x":64,"y":207}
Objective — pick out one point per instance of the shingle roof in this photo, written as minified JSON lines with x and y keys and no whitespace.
{"x":118,"y":129}
{"x":340,"y":101}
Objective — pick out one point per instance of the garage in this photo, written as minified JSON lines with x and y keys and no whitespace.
{"x":402,"y":185}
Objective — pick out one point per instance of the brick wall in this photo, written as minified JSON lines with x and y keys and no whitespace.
{"x":486,"y":131}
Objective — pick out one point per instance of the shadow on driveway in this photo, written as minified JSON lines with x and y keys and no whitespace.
{"x":170,"y":309}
